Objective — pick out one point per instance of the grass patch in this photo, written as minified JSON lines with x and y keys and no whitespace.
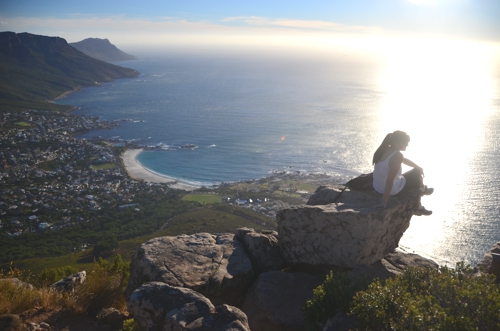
{"x":22,"y":124}
{"x":311,"y":188}
{"x":103,"y":166}
{"x":80,"y":261}
{"x":103,"y":288}
{"x":203,"y":198}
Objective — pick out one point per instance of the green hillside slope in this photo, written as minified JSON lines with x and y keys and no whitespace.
{"x":35,"y":69}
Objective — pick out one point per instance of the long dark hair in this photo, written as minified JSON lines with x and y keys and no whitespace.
{"x":389,"y":140}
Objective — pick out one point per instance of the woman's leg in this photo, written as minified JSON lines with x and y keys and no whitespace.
{"x":414,"y":178}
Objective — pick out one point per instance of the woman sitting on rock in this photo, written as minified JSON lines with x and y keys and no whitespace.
{"x":387,"y":175}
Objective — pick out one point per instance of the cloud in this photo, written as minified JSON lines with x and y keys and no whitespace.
{"x":164,"y":31}
{"x":302,"y":24}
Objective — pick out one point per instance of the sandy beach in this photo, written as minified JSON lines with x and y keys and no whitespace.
{"x":137,"y":171}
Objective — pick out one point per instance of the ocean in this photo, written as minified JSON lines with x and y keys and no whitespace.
{"x":235,"y":116}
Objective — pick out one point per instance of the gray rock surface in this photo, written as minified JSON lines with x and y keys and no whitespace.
{"x":262,"y":249}
{"x":274,"y":300}
{"x":69,"y":283}
{"x":217,"y":266}
{"x":225,"y":318}
{"x":158,"y":306}
{"x":487,"y":260}
{"x":354,"y":230}
{"x":392,"y":265}
{"x":150,"y":304}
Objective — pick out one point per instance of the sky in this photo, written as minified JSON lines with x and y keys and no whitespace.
{"x":262,"y":22}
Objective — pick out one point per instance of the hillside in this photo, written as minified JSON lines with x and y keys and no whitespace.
{"x":35,"y":69}
{"x":101,"y":49}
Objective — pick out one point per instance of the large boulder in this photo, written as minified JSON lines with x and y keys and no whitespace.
{"x":217,"y":266}
{"x":392,"y":265}
{"x":157,"y":306}
{"x":273,"y":302}
{"x":262,"y":248}
{"x":354,"y":229}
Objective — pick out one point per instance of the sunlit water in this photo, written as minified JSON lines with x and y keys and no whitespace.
{"x":249,"y":116}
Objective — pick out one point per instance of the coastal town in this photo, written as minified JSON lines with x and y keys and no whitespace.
{"x":51,"y":180}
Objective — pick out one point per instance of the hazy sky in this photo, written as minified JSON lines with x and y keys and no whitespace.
{"x":129,"y":22}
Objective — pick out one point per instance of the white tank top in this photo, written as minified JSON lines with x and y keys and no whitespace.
{"x":380,"y":174}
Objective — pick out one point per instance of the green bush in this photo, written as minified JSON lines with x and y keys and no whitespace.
{"x":428,"y":299}
{"x":52,"y":275}
{"x":335,"y":293}
{"x":130,"y":325}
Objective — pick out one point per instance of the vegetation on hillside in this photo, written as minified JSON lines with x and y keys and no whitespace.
{"x":103,"y":288}
{"x":35,"y":69}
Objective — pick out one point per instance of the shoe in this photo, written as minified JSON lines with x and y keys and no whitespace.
{"x":428,"y":190}
{"x":422,"y":212}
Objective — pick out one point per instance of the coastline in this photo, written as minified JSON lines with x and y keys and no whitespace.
{"x":62,"y":96}
{"x":136,"y":170}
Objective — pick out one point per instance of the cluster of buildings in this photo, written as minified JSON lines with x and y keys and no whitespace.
{"x":49,"y":179}
{"x":265,"y":206}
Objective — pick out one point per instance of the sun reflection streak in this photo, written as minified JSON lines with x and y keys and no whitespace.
{"x":440,"y":94}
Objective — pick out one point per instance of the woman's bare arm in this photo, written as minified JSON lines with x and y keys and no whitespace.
{"x":412,"y":164}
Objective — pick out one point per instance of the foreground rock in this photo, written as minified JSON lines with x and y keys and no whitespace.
{"x":273,"y":303}
{"x":262,"y":249}
{"x":157,"y":306}
{"x":216,"y":266}
{"x":353,"y":230}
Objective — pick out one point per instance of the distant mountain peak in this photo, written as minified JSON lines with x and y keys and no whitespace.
{"x":102,"y":49}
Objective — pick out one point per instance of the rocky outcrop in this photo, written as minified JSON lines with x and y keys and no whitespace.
{"x":273,"y":302}
{"x":69,"y":283}
{"x":392,"y":265}
{"x":181,"y":278}
{"x":262,"y":249}
{"x":216,"y":266}
{"x":157,"y":306}
{"x":354,"y":230}
{"x":490,"y":263}
{"x":487,"y":260}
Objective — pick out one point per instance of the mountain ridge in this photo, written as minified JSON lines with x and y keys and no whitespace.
{"x":102,"y":49}
{"x":35,"y":69}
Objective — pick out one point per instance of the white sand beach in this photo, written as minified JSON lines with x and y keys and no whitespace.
{"x":137,"y":171}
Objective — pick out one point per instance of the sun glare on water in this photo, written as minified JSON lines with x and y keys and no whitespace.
{"x":440,"y":93}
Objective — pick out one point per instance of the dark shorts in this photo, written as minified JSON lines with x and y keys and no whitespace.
{"x":413,"y":178}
